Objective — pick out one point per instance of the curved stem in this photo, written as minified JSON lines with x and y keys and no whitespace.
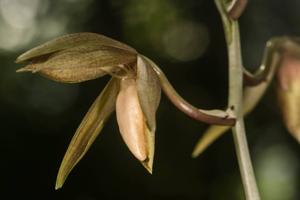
{"x":276,"y":44}
{"x":275,"y":49}
{"x":265,"y":68}
{"x":236,"y":8}
{"x":235,"y":102}
{"x":218,"y":117}
{"x":251,"y":98}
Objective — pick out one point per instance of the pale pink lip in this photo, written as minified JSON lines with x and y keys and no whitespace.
{"x":131,"y":119}
{"x":288,"y":71}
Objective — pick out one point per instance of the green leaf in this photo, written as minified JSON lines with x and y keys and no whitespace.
{"x":88,"y":130}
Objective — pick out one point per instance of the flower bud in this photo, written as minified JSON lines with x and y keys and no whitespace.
{"x":288,"y":91}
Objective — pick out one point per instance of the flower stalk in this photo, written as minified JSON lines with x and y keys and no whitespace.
{"x":209,"y":116}
{"x":256,"y":84}
{"x":235,"y":101}
{"x":134,"y":91}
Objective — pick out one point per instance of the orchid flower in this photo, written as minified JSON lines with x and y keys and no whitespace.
{"x":134,"y":92}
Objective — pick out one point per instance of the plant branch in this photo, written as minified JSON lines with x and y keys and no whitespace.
{"x":255,"y":84}
{"x":235,"y":101}
{"x":251,"y":97}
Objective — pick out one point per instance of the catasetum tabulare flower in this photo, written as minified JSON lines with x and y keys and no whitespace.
{"x":133,"y":90}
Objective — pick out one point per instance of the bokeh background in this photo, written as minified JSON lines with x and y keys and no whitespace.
{"x":38,"y":117}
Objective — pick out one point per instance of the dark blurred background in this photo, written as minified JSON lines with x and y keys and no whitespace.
{"x":38,"y":117}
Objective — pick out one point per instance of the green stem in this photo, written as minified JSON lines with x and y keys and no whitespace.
{"x":235,"y":102}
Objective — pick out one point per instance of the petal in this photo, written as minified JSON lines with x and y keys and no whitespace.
{"x":209,"y":136}
{"x":289,"y":104}
{"x":79,"y":64}
{"x":149,"y":90}
{"x":72,"y":40}
{"x":132,"y":124}
{"x":288,"y":91}
{"x":88,"y":130}
{"x":150,"y":137}
{"x":131,"y":119}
